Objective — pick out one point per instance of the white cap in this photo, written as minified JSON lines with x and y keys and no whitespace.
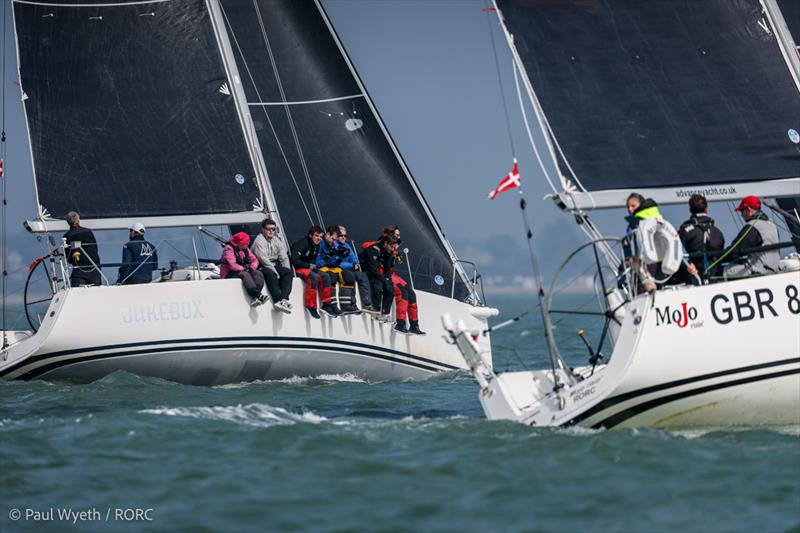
{"x":138,"y":227}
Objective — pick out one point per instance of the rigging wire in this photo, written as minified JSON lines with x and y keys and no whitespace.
{"x":288,"y":115}
{"x":499,"y":78}
{"x":266,"y":115}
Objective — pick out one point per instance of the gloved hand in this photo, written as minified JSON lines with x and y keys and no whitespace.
{"x":357,"y":267}
{"x":312,"y":267}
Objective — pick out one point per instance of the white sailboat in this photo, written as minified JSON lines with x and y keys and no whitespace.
{"x":666,"y":99}
{"x":181,"y":113}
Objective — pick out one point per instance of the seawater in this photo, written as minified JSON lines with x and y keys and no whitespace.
{"x":127,"y":453}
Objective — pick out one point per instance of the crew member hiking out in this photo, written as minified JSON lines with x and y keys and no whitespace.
{"x":377,"y":258}
{"x":238,"y":262}
{"x":352,"y":275}
{"x":304,"y":261}
{"x":271,"y":252}
{"x":405,"y":298}
{"x":139,"y":258}
{"x":82,"y":253}
{"x":328,"y":265}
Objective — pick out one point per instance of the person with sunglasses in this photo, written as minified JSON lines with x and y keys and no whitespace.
{"x":271,"y":252}
{"x":352,"y":275}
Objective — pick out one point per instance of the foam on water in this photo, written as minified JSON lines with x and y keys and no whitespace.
{"x":255,"y":414}
{"x":297,"y":380}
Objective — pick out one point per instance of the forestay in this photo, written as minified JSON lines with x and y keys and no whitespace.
{"x":328,"y":156}
{"x":130,"y":115}
{"x":667,"y":98}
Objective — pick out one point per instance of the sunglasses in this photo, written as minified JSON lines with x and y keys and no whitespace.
{"x":343,"y":235}
{"x":270,"y":228}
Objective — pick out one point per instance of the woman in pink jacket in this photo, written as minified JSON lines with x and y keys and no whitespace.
{"x":238,"y":262}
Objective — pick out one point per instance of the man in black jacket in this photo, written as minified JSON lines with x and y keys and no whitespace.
{"x":700,"y":236}
{"x":82,"y":253}
{"x":377,"y":261}
{"x":304,"y":261}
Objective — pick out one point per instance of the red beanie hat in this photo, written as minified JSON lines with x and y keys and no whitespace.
{"x":240,"y":238}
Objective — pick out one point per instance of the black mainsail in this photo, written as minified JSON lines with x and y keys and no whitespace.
{"x":667,"y":98}
{"x":130,"y":114}
{"x":183,"y":112}
{"x":328,"y":155}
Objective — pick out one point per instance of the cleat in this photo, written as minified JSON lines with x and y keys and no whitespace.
{"x":313,"y":312}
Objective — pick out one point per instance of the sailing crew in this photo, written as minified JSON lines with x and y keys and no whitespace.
{"x":82,"y":253}
{"x":304,"y":260}
{"x":271,"y":252}
{"x":238,"y":262}
{"x":377,"y":259}
{"x":700,"y":236}
{"x":328,"y":261}
{"x":640,"y":209}
{"x":632,"y":203}
{"x":139,"y":258}
{"x":352,"y":274}
{"x":757,"y":231}
{"x":405,"y":298}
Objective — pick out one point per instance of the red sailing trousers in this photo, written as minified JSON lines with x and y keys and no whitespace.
{"x":316,"y":282}
{"x":405,"y":299}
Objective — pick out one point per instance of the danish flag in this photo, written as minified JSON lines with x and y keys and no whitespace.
{"x":511,"y":181}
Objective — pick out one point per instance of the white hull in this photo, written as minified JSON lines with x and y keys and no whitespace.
{"x":205,"y":333}
{"x":715,"y":366}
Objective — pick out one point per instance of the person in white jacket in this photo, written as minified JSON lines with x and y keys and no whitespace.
{"x":272,"y":255}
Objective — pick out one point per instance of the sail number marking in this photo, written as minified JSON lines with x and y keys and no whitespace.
{"x":738,"y":306}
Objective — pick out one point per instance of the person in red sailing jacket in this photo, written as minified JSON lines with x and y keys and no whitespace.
{"x":238,"y":262}
{"x":404,"y":296}
{"x":303,"y":259}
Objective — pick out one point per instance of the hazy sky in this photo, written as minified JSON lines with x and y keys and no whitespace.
{"x":429,"y":67}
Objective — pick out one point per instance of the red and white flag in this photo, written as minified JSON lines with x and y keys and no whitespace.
{"x":511,"y":181}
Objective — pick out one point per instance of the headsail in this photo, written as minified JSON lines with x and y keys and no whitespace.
{"x":328,"y":155}
{"x":130,"y":114}
{"x":667,"y":98}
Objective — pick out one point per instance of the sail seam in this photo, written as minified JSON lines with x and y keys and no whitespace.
{"x":303,"y":102}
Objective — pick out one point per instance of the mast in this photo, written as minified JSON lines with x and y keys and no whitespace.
{"x":785,"y":41}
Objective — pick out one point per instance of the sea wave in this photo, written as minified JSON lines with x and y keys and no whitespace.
{"x":254,"y":414}
{"x":297,"y":380}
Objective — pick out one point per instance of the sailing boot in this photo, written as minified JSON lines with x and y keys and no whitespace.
{"x":415,"y":328}
{"x":313,"y":312}
{"x":329,"y":309}
{"x":400,"y":327}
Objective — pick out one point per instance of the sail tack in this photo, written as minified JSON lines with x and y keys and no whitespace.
{"x":667,"y":98}
{"x":130,"y":113}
